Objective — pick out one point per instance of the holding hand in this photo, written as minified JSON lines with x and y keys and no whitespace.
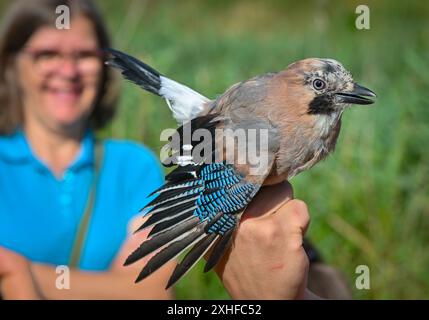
{"x":267,"y":260}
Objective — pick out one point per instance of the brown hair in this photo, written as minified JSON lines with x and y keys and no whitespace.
{"x":21,"y":20}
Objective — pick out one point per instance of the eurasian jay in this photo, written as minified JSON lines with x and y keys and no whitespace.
{"x":298,"y":109}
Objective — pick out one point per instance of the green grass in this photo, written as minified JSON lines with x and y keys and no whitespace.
{"x":369,"y":201}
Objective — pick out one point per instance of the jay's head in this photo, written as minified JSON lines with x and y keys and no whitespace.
{"x":326,"y":86}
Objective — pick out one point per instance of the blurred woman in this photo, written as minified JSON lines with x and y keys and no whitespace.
{"x":66,"y":198}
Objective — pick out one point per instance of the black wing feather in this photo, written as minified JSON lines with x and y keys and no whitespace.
{"x":160,"y":240}
{"x":191,"y":258}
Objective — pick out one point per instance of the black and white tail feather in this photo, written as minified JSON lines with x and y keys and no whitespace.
{"x":200,"y":205}
{"x":184,"y":102}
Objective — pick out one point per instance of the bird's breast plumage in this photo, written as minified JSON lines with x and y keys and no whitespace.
{"x":307,"y":144}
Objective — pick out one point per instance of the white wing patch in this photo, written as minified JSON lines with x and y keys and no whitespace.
{"x":184,"y":102}
{"x":187,"y":158}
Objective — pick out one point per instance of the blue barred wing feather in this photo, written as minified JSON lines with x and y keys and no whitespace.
{"x":200,"y":212}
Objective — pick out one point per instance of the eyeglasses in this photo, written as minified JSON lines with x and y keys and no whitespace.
{"x":47,"y":61}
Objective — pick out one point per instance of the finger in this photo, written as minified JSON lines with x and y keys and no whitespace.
{"x":295,"y":220}
{"x":294,"y":214}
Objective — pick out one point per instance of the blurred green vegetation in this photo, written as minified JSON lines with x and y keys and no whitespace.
{"x":370,"y":200}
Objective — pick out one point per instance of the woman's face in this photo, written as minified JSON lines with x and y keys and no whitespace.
{"x":59,"y":72}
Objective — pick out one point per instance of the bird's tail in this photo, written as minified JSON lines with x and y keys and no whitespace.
{"x":184,"y":102}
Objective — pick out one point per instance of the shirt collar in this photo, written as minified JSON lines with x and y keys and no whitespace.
{"x":86,"y":155}
{"x":15,"y":148}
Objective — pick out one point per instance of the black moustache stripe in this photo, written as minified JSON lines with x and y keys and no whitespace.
{"x":321,"y":105}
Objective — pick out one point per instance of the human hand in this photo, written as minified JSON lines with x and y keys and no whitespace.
{"x":266,"y":259}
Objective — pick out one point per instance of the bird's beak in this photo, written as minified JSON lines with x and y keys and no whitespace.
{"x":356,"y":96}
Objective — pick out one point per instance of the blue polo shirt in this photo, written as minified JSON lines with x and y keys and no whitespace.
{"x":40,"y":214}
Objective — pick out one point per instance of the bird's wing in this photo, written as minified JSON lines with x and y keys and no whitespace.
{"x":248,"y":96}
{"x":184,"y":102}
{"x":198,"y":207}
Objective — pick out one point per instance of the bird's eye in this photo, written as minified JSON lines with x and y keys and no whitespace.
{"x":319,"y":84}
